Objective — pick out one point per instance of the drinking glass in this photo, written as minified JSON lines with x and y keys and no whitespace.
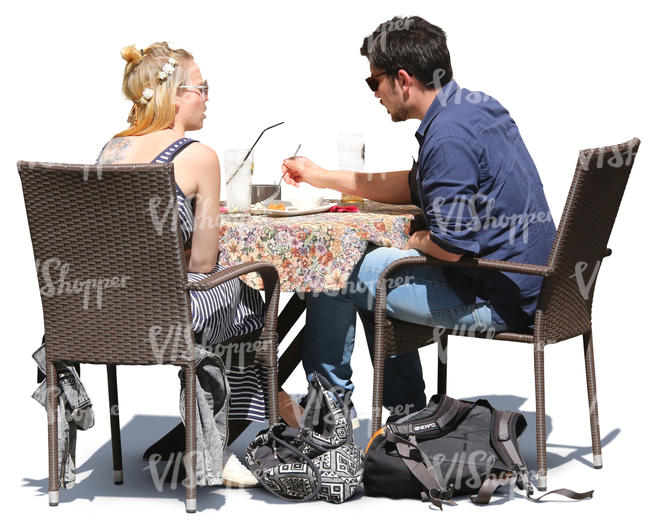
{"x":238,"y":186}
{"x":352,"y":156}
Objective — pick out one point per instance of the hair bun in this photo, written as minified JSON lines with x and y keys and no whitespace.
{"x":130,"y":54}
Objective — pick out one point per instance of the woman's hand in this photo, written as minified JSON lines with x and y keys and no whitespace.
{"x":301,"y":169}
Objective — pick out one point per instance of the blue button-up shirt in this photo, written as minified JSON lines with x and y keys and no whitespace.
{"x":481,"y":195}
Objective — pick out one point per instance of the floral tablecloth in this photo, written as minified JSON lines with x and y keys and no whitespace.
{"x":312,"y":252}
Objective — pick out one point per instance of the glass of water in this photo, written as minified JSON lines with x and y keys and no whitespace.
{"x":239,"y":174}
{"x":352,"y":156}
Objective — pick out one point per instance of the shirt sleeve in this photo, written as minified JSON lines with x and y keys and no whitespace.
{"x":449,"y":173}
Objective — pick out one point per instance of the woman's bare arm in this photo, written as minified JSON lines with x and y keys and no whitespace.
{"x":201,"y":166}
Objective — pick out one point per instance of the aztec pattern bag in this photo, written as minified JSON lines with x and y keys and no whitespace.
{"x":318,"y":459}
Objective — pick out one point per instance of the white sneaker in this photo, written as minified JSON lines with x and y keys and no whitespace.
{"x":235,"y":474}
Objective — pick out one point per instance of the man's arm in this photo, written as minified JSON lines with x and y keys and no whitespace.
{"x":385,"y":187}
{"x":450,"y":174}
{"x":421,"y":240}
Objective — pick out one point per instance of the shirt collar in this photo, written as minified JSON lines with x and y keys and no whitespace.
{"x":445,"y":93}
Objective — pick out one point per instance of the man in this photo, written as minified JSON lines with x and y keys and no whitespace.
{"x":481,"y":196}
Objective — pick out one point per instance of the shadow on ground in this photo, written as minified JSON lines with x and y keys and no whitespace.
{"x":136,"y":435}
{"x":95,"y":475}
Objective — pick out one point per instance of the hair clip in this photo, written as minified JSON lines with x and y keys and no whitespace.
{"x":147,"y":94}
{"x":167,"y":69}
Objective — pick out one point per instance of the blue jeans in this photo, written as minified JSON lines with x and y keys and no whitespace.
{"x":422,"y":296}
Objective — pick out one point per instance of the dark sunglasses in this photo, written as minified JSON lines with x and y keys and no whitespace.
{"x":372,"y":81}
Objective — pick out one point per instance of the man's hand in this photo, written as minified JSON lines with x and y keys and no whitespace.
{"x":386,"y":187}
{"x":301,"y":169}
{"x":418,"y":240}
{"x":421,"y":241}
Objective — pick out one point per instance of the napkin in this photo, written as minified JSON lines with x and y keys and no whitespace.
{"x":343,"y":209}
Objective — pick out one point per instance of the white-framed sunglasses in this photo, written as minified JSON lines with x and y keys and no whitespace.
{"x":203,"y":88}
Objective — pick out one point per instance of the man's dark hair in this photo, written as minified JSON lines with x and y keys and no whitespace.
{"x":411,"y":44}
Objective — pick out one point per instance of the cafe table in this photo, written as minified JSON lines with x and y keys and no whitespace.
{"x":312,"y":253}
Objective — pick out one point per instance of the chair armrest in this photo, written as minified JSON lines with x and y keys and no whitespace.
{"x":463,"y":262}
{"x":476,"y":263}
{"x":267,"y":271}
{"x":468,"y":262}
{"x":271,"y":282}
{"x":269,"y":334}
{"x":500,"y":265}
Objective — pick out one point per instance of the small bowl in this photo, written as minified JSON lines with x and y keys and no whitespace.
{"x":261,"y":192}
{"x":303,"y":203}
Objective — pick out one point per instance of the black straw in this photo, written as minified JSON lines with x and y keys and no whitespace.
{"x":251,"y":150}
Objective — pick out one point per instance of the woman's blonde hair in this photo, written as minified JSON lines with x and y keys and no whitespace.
{"x":141,"y":71}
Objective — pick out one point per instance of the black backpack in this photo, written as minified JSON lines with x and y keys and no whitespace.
{"x":449,"y":448}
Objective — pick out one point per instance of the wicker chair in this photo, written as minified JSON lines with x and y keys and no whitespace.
{"x":564,"y":308}
{"x":117,"y":225}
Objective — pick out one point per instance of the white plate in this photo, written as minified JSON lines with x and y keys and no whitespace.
{"x":291,"y":210}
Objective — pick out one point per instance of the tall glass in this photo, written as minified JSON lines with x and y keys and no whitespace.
{"x":239,"y":174}
{"x":352,"y":156}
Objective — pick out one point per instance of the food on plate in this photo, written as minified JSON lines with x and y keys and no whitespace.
{"x":277,"y":207}
{"x":306,"y":202}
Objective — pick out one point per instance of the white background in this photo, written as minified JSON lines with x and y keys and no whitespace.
{"x":573,"y":75}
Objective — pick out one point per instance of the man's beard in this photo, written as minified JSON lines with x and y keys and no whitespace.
{"x":400,"y":113}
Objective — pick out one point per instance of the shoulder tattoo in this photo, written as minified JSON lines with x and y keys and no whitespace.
{"x":116,"y":150}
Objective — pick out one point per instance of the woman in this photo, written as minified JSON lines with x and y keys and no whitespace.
{"x":169,"y":98}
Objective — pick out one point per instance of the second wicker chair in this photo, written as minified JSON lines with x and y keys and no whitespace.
{"x":564,"y":305}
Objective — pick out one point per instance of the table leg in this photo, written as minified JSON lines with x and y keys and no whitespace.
{"x":290,"y":358}
{"x":290,"y":314}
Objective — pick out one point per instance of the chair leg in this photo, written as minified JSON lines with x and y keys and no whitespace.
{"x":272,"y":381}
{"x":378,"y":361}
{"x":590,"y":369}
{"x":52,"y":433}
{"x":540,"y":416}
{"x":442,"y":364}
{"x":114,"y":410}
{"x":190,"y":437}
